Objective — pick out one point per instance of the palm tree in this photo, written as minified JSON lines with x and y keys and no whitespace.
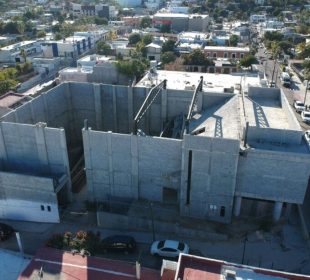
{"x":23,"y":54}
{"x":275,"y":50}
{"x":306,"y":66}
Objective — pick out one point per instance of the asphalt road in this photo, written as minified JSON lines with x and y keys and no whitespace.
{"x":295,"y":92}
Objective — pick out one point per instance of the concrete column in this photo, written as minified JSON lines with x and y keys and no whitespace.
{"x":88,"y":165}
{"x":147,"y":116}
{"x":41,"y":145}
{"x":114,"y":110}
{"x":16,"y":116}
{"x":277,"y":210}
{"x":237,"y":205}
{"x":110,"y":158}
{"x":288,"y":210}
{"x":68,"y":95}
{"x":184,"y":168}
{"x":134,"y":167}
{"x":65,"y":159}
{"x":163,"y":107}
{"x":46,"y":113}
{"x":130,"y":109}
{"x":98,"y":106}
{"x":33,"y":118}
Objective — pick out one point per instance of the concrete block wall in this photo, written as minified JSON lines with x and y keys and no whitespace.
{"x":265,"y":93}
{"x":213,"y":177}
{"x":273,"y":135}
{"x":130,"y":166}
{"x":33,"y":148}
{"x":288,"y":110}
{"x":275,"y":176}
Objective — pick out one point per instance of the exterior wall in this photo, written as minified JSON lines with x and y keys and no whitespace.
{"x":130,"y":166}
{"x":26,"y":197}
{"x":276,"y":176}
{"x":198,"y":23}
{"x":225,"y":54}
{"x":211,"y":185}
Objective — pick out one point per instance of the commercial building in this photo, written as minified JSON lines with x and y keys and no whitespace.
{"x":12,"y":53}
{"x":226,"y":52}
{"x":104,"y":11}
{"x":211,"y":146}
{"x":182,"y":22}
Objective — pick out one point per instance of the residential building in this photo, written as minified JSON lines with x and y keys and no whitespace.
{"x":182,"y":22}
{"x":153,"y":51}
{"x":129,"y":3}
{"x":94,"y":69}
{"x":226,"y":52}
{"x":192,"y":267}
{"x":104,"y":11}
{"x":12,"y":53}
{"x":257,"y":18}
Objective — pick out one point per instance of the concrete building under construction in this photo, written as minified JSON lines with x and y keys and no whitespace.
{"x":212,"y":145}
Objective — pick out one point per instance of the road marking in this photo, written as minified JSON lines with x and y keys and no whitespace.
{"x":87,"y":268}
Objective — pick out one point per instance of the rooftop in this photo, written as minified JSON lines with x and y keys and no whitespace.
{"x":189,"y":80}
{"x":63,"y":265}
{"x":194,"y":268}
{"x":224,"y":48}
{"x":17,"y":45}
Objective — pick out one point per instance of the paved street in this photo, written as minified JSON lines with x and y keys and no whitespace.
{"x":295,"y":92}
{"x":283,"y":248}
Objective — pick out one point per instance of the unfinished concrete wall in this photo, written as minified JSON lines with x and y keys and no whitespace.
{"x":273,"y":135}
{"x":264,"y":93}
{"x":287,"y":108}
{"x":33,"y":148}
{"x":27,"y":197}
{"x":276,"y":176}
{"x":209,"y":167}
{"x":130,"y":166}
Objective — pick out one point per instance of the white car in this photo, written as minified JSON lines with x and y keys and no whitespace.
{"x":169,"y":248}
{"x":307,"y":137}
{"x":299,"y":106}
{"x":305,"y":115}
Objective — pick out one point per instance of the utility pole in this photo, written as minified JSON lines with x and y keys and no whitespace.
{"x":307,"y":85}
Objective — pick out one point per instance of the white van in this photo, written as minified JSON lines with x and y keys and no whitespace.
{"x":285,"y":79}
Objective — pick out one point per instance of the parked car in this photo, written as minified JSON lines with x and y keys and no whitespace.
{"x":5,"y":231}
{"x":119,"y":243}
{"x":305,"y":115}
{"x":271,"y":84}
{"x":169,"y":248}
{"x":299,"y":106}
{"x":307,"y":137}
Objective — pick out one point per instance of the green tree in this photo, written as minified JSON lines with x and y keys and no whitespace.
{"x":100,"y":21}
{"x":57,"y":36}
{"x":165,"y":28}
{"x":23,"y":54}
{"x":147,"y":39}
{"x":145,"y":22}
{"x":273,"y":36}
{"x":233,"y":40}
{"x":248,"y":60}
{"x":168,"y":46}
{"x":41,"y":34}
{"x":134,"y":38}
{"x":103,"y":48}
{"x":167,"y":57}
{"x":132,"y":68}
{"x":197,"y":57}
